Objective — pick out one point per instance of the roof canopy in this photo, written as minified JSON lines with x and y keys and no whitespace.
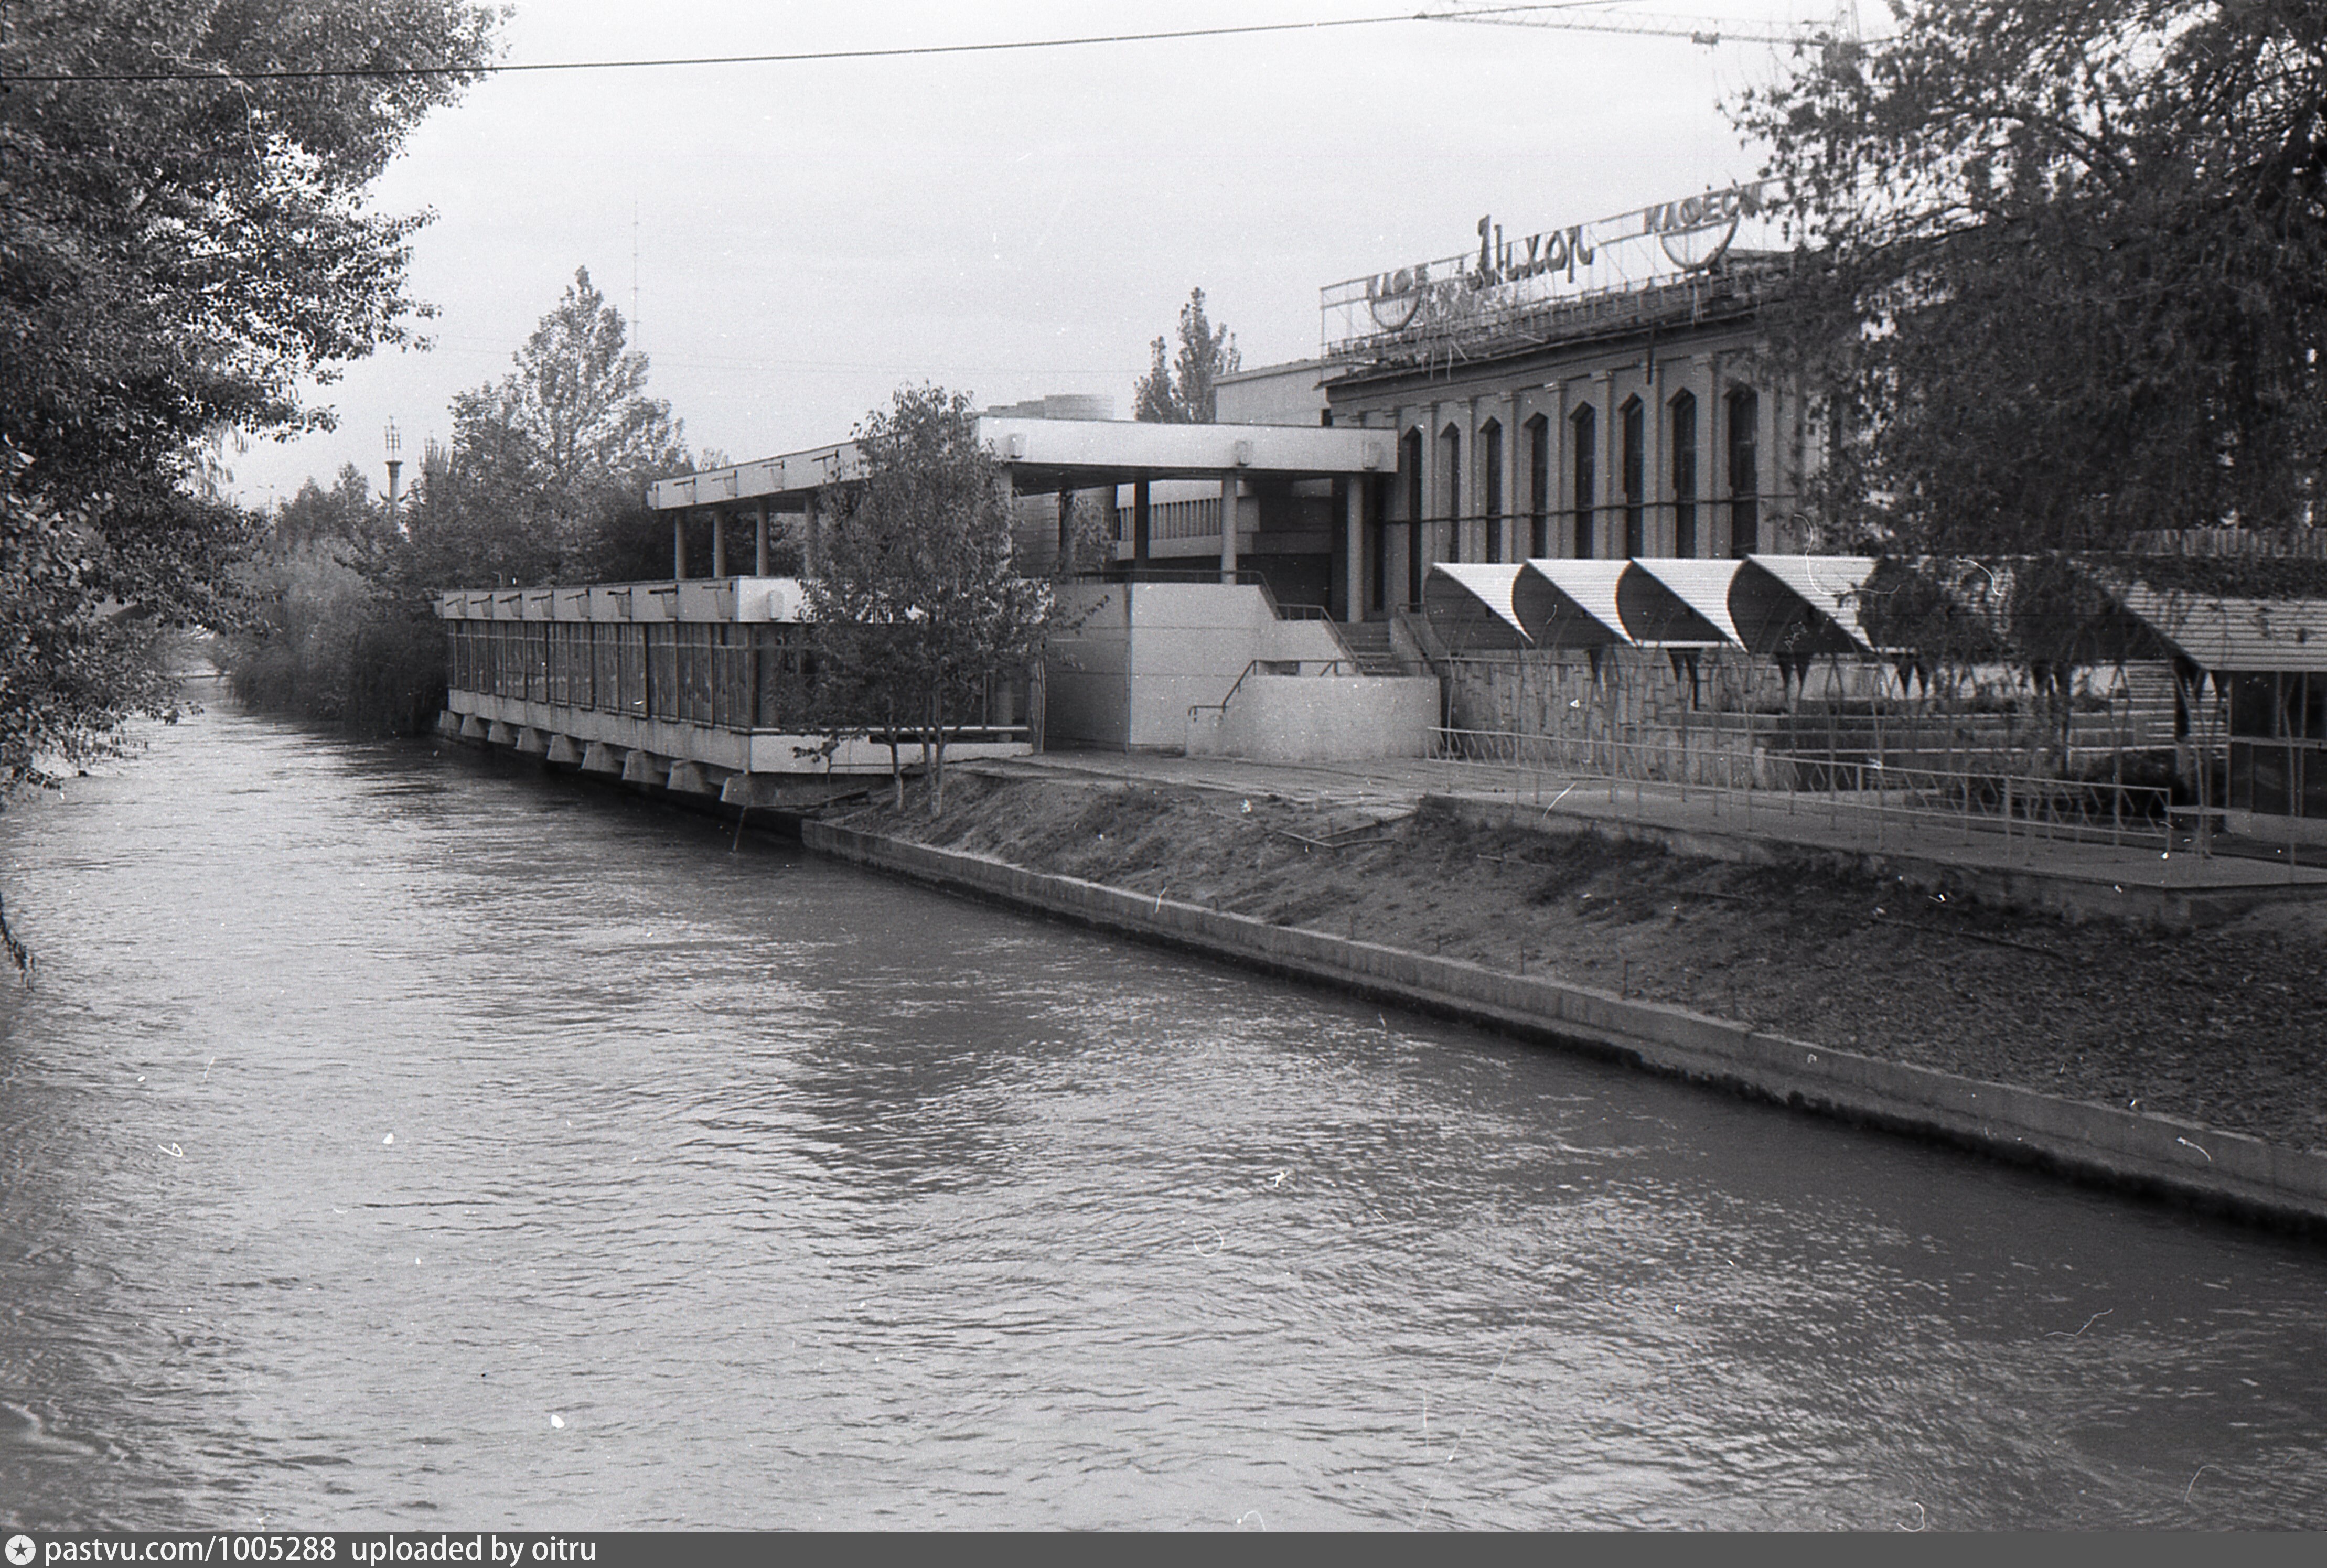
{"x":1798,"y":606}
{"x":1581,"y":612}
{"x":1786,"y":605}
{"x":1677,"y":602}
{"x":1053,"y":454}
{"x":2233,"y":635}
{"x":1470,"y":605}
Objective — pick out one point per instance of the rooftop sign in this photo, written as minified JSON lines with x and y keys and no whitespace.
{"x":1505,"y":279}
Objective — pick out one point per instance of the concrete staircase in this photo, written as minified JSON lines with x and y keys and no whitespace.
{"x":1368,"y":644}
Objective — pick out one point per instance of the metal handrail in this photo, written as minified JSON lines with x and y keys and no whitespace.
{"x":2081,"y":810}
{"x":1330,"y":666}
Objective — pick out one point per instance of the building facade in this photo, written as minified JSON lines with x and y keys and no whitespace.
{"x":1592,"y":392}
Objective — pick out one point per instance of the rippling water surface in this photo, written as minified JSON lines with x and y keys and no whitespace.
{"x":391,"y":1141}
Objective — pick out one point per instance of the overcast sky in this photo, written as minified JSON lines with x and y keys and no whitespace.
{"x":809,"y":235}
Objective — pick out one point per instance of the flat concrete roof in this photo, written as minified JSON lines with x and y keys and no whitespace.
{"x":1052,"y":454}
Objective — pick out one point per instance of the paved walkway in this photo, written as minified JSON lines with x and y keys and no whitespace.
{"x":1392,"y":787}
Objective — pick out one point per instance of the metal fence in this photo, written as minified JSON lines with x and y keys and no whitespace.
{"x":1755,"y":782}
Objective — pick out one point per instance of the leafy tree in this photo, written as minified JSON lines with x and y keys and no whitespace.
{"x":346,"y":513}
{"x":2064,"y":268}
{"x":305,"y":650}
{"x":558,"y":452}
{"x":544,"y":480}
{"x":183,"y":243}
{"x":918,"y":602}
{"x":1182,"y":392}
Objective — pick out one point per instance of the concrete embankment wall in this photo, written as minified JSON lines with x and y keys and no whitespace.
{"x":2153,"y":1154}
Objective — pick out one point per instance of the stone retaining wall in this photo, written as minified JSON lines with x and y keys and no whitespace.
{"x":2153,"y":1154}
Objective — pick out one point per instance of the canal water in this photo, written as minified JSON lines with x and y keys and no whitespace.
{"x":396,"y":1140}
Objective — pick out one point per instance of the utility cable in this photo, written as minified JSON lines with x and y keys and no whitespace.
{"x":903,"y":51}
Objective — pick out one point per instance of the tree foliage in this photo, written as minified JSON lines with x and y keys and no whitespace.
{"x":1181,"y":390}
{"x":177,"y":257}
{"x":2065,"y":268}
{"x":544,"y":482}
{"x":918,"y":601}
{"x":550,"y":457}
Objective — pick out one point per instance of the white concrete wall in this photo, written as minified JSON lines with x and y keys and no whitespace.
{"x":1190,"y":642}
{"x":1151,"y":650}
{"x":1086,"y":672}
{"x":1282,"y":718}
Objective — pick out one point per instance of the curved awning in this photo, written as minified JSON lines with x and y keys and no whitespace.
{"x":1675,"y":601}
{"x":1798,"y":606}
{"x":1571,"y":604}
{"x":2236,"y":636}
{"x":1470,"y":605}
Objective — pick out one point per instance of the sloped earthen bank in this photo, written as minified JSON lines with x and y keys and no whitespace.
{"x":2117,"y":1052}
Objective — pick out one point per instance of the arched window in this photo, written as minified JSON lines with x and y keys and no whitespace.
{"x":1684,"y":473}
{"x":1490,"y":485}
{"x":1583,"y":425}
{"x":1635,"y":442}
{"x":1744,"y":473}
{"x":1410,"y":460}
{"x":1539,"y":439}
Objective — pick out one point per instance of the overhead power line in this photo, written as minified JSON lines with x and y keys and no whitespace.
{"x":1517,"y":15}
{"x":1704,"y":30}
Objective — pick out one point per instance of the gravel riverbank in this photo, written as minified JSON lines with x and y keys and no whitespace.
{"x":2228,"y":1027}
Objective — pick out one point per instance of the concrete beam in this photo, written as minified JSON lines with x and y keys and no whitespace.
{"x":747,"y":790}
{"x":532,"y":741}
{"x":562,"y":750}
{"x":501,"y":734}
{"x":687,"y":778}
{"x":644,"y":768}
{"x":473,"y":728}
{"x":601,"y":758}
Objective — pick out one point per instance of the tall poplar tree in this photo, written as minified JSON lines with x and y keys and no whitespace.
{"x":1181,"y":389}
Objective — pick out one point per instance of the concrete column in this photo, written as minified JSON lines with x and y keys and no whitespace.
{"x":1713,"y":479}
{"x":1227,"y":527}
{"x":1563,"y":475}
{"x":1507,"y":476}
{"x":1707,"y":387}
{"x":718,"y":541}
{"x":1470,"y":486}
{"x":1608,"y":524}
{"x":759,"y":542}
{"x":1656,"y":479}
{"x":1434,"y":490}
{"x":1353,"y":554}
{"x":813,"y":550}
{"x":1786,"y":478}
{"x":678,"y":544}
{"x":1767,"y":466}
{"x":1142,"y":518}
